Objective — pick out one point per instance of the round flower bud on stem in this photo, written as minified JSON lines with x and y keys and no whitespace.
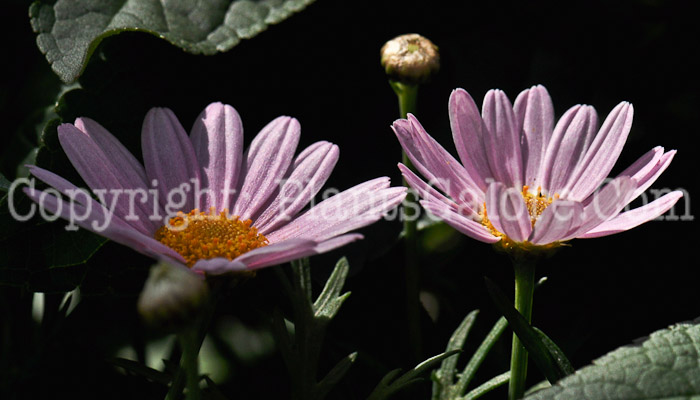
{"x":172,"y":296}
{"x":410,"y":59}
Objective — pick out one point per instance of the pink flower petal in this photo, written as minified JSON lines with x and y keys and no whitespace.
{"x":351,"y":209}
{"x":63,"y":186}
{"x":571,"y":138}
{"x":647,"y":175}
{"x":169,"y":157}
{"x":112,"y":148}
{"x":105,"y":177}
{"x":322,"y":223}
{"x":434,"y":162}
{"x":503,"y":150}
{"x":217,"y":139}
{"x":606,"y":204}
{"x":309,"y":174}
{"x":630,"y":219}
{"x":470,"y":136}
{"x":535,"y":114}
{"x":97,"y":219}
{"x":644,"y":164}
{"x":461,"y":223}
{"x":602,"y":154}
{"x":427,"y":192}
{"x":273,"y":254}
{"x":507,"y":212}
{"x":267,"y":160}
{"x":338,"y":241}
{"x":560,"y":218}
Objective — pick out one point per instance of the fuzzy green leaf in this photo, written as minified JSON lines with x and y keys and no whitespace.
{"x":70,"y":30}
{"x":445,"y":375}
{"x":666,"y":366}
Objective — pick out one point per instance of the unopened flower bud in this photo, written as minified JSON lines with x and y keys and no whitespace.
{"x":410,"y":58}
{"x":172,"y":295}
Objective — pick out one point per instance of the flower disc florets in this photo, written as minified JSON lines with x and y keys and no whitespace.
{"x":536,"y":203}
{"x":198,"y":235}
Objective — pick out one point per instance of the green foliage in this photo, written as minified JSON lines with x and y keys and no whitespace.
{"x":301,"y":350}
{"x":69,"y":31}
{"x":444,"y":385}
{"x":4,"y":183}
{"x":547,"y":355}
{"x":388,"y":385}
{"x":665,"y":366}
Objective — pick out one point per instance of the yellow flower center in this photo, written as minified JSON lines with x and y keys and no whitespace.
{"x":198,"y":235}
{"x":536,"y":204}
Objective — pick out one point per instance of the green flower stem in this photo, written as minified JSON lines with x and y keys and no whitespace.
{"x":524,"y":289}
{"x":196,"y":334}
{"x":190,"y":352}
{"x":408,"y":95}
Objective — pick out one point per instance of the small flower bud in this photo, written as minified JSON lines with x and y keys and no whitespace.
{"x":172,"y":296}
{"x":410,"y":58}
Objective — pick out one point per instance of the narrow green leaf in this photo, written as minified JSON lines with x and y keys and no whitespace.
{"x":448,"y":369}
{"x":334,"y":284}
{"x":141,"y":370}
{"x":4,"y":183}
{"x":555,"y":351}
{"x":387,"y":386}
{"x":666,"y":366}
{"x":528,"y":336}
{"x":479,"y":355}
{"x":487,"y":386}
{"x":335,"y":375}
{"x":69,"y":31}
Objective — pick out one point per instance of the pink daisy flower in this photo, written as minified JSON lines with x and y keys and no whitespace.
{"x":525,"y":182}
{"x":251,"y":202}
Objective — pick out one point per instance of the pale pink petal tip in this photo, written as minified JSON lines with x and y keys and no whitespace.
{"x":631,"y":219}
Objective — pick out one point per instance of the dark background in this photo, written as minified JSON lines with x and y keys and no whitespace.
{"x":322,"y":67}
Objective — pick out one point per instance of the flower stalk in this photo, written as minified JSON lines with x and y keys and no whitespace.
{"x":524,"y":290}
{"x":190,"y":352}
{"x":408,"y":61}
{"x":407,"y":94}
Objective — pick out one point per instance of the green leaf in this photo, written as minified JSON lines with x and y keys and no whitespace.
{"x":334,"y":375}
{"x":444,"y":386}
{"x":555,"y":351}
{"x":479,"y":355}
{"x":445,"y":375}
{"x":487,"y":386}
{"x":4,"y":183}
{"x":301,"y":350}
{"x":666,"y":366}
{"x":538,"y":350}
{"x":388,"y":386}
{"x":329,"y":301}
{"x":70,"y":30}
